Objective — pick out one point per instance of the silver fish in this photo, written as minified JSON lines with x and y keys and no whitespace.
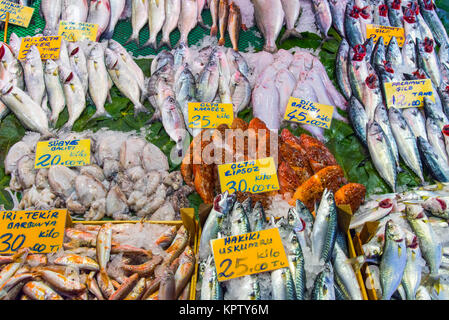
{"x":79,"y":64}
{"x":323,"y":15}
{"x":173,"y":122}
{"x":187,"y":19}
{"x":54,"y":90}
{"x":172,"y":12}
{"x":74,"y":10}
{"x":34,"y":78}
{"x":381,"y":117}
{"x":51,"y":10}
{"x":139,"y":18}
{"x":413,"y":269}
{"x":98,"y":80}
{"x":269,"y":18}
{"x":117,"y":8}
{"x":74,"y":94}
{"x":99,"y":13}
{"x":156,"y":19}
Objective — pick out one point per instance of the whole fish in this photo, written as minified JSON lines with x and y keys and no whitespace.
{"x":323,"y":15}
{"x":98,"y":80}
{"x":323,"y":287}
{"x":99,"y":13}
{"x":353,"y":28}
{"x":74,"y":95}
{"x":239,"y":220}
{"x":222,"y":205}
{"x":185,"y":270}
{"x":257,"y":218}
{"x":416,"y":121}
{"x":381,"y":117}
{"x":79,"y":64}
{"x":428,"y":11}
{"x":138,"y":290}
{"x":156,"y":19}
{"x":234,"y":25}
{"x":238,"y":62}
{"x":434,"y":110}
{"x":139,"y":18}
{"x":296,"y":263}
{"x":240,"y":91}
{"x":64,"y":59}
{"x":409,"y":53}
{"x":393,"y":54}
{"x":124,"y":80}
{"x":214,"y":7}
{"x":338,"y":9}
{"x":283,"y":284}
{"x":436,"y":139}
{"x":292,"y":10}
{"x":413,"y":269}
{"x":428,"y":241}
{"x":74,"y":10}
{"x":172,"y":12}
{"x":210,"y":287}
{"x":325,"y":227}
{"x":393,"y":260}
{"x":185,"y":92}
{"x":208,"y":81}
{"x":54,"y":90}
{"x":51,"y":10}
{"x":9,"y":270}
{"x":265,"y":100}
{"x":428,"y":59}
{"x":269,"y":18}
{"x":341,"y":69}
{"x":381,"y":153}
{"x":117,"y":8}
{"x":406,"y":141}
{"x":61,"y":282}
{"x":437,"y":167}
{"x":34,"y":78}
{"x":37,"y":290}
{"x":167,"y":286}
{"x":173,"y":122}
{"x":125,"y":288}
{"x":395,"y":13}
{"x":223,"y":16}
{"x":188,"y":19}
{"x":78,"y":261}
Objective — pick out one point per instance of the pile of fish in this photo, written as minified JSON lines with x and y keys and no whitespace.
{"x":98,"y":263}
{"x":410,"y":245}
{"x":213,"y":74}
{"x":37,"y":92}
{"x":362,"y":68}
{"x":300,"y":75}
{"x":127,"y":179}
{"x":226,"y":16}
{"x":316,"y":250}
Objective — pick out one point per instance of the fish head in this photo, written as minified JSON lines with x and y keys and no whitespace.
{"x":374,"y":128}
{"x":73,"y":48}
{"x":428,"y":5}
{"x":393,"y":231}
{"x":15,"y":42}
{"x":358,"y":53}
{"x":65,"y":74}
{"x":428,"y":45}
{"x":6,"y":84}
{"x":414,"y":6}
{"x":224,"y":202}
{"x":411,"y":241}
{"x":372,"y":81}
{"x":97,"y":52}
{"x":409,"y":15}
{"x":111,"y":59}
{"x":51,"y":67}
{"x":445,"y":130}
{"x":415,"y":212}
{"x":383,"y":10}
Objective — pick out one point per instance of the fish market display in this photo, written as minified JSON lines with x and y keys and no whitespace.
{"x":316,"y":250}
{"x":109,"y":262}
{"x":409,"y":244}
{"x":127,"y":179}
{"x":414,"y":135}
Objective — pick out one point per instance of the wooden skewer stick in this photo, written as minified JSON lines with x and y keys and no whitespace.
{"x":6,"y":27}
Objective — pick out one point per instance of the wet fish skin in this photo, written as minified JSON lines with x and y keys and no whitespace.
{"x":393,"y":53}
{"x":341,"y":69}
{"x":413,"y":269}
{"x":283,"y":285}
{"x":33,"y":72}
{"x":296,"y":263}
{"x":381,"y":117}
{"x":269,"y":18}
{"x":428,"y":12}
{"x":211,"y":288}
{"x":416,"y":121}
{"x":78,"y":63}
{"x":104,"y":243}
{"x":117,"y":8}
{"x":428,"y":59}
{"x":139,"y":18}
{"x":54,"y":90}
{"x":172,"y":11}
{"x":37,"y":290}
{"x":75,"y":10}
{"x":223,"y":16}
{"x":358,"y":118}
{"x":99,"y":13}
{"x":436,"y":139}
{"x":323,"y":288}
{"x":338,"y":9}
{"x":353,"y":28}
{"x":435,"y":165}
{"x":323,"y":15}
{"x":234,"y":25}
{"x":51,"y":10}
{"x":156,"y":19}
{"x":214,"y":6}
{"x":188,"y":19}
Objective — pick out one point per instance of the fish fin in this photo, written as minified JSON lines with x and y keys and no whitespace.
{"x":138,"y":108}
{"x":290,"y":33}
{"x":165,"y":43}
{"x":203,"y":25}
{"x":101,"y":114}
{"x":66,"y":127}
{"x":222,"y":41}
{"x":132,"y":39}
{"x":213,"y":31}
{"x":156,"y":116}
{"x":270,"y":49}
{"x":109,"y":97}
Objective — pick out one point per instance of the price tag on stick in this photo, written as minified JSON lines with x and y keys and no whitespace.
{"x":210,"y":115}
{"x":254,"y":176}
{"x":408,"y":94}
{"x":69,"y":153}
{"x":48,"y":47}
{"x":19,"y":15}
{"x":308,"y":112}
{"x":249,"y":253}
{"x":78,"y":31}
{"x":40,"y":230}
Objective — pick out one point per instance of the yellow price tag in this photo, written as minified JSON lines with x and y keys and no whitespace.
{"x":249,"y":253}
{"x":18,"y":14}
{"x":48,"y":47}
{"x":254,"y":176}
{"x":376,"y":31}
{"x":69,"y":153}
{"x":78,"y":31}
{"x":40,"y":230}
{"x":307,"y":112}
{"x":408,"y":94}
{"x":210,"y":115}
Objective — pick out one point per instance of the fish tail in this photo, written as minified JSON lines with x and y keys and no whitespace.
{"x":150,"y":43}
{"x":269,"y":48}
{"x":138,"y":108}
{"x":202,"y":24}
{"x":133,"y":38}
{"x":165,"y":43}
{"x":222,"y":41}
{"x":67,"y":127}
{"x":290,"y":33}
{"x":213,"y":31}
{"x":102,"y":113}
{"x":108,"y":35}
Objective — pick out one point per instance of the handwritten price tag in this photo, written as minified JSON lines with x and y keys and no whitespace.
{"x":210,"y":115}
{"x":69,"y":153}
{"x":41,"y":231}
{"x":249,"y":253}
{"x":18,"y":14}
{"x":307,"y":112}
{"x":48,"y":47}
{"x":376,"y":31}
{"x":408,"y":94}
{"x":254,"y":176}
{"x":78,"y":31}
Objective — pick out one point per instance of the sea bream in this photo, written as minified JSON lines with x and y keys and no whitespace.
{"x":269,"y":18}
{"x":98,"y":79}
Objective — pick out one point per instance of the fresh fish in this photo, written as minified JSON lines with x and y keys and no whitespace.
{"x":185,"y":270}
{"x":210,"y":287}
{"x":323,"y":15}
{"x":139,"y":19}
{"x":74,"y":95}
{"x":234,"y":25}
{"x":222,"y":205}
{"x":240,"y":91}
{"x":436,"y":139}
{"x":138,"y":290}
{"x":188,"y":19}
{"x":358,"y":118}
{"x":51,"y":10}
{"x":296,"y":263}
{"x":406,"y":141}
{"x":381,"y":117}
{"x":214,"y":7}
{"x":34,"y":78}
{"x":395,"y":13}
{"x":54,"y":90}
{"x":223,"y":16}
{"x":201,"y":5}
{"x":172,"y":12}
{"x":416,"y":121}
{"x":428,"y":241}
{"x":98,"y":80}
{"x":156,"y":19}
{"x":9,"y":270}
{"x":409,"y":53}
{"x":437,"y":167}
{"x":341,"y":69}
{"x":380,"y":15}
{"x":381,"y":153}
{"x":173,"y":122}
{"x":103,"y":244}
{"x":428,"y":12}
{"x":325,"y":227}
{"x":239,"y":220}
{"x":61,"y":283}
{"x":37,"y":290}
{"x":338,"y":8}
{"x":185,"y":92}
{"x":283,"y":285}
{"x":64,"y":59}
{"x":393,"y":54}
{"x":74,"y":10}
{"x":353,"y":28}
{"x":428,"y":59}
{"x":99,"y":13}
{"x":269,"y":18}
{"x":79,"y":64}
{"x":292,"y":10}
{"x":167,"y":286}
{"x":393,"y":260}
{"x":164,"y":57}
{"x":257,"y":218}
{"x":437,"y":206}
{"x":323,"y":287}
{"x":77,"y":261}
{"x":117,"y":8}
{"x":285,"y":83}
{"x":124,"y":80}
{"x":265,"y":100}
{"x":125,"y":287}
{"x":208,"y":81}
{"x":413,"y":269}
{"x":422,"y":294}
